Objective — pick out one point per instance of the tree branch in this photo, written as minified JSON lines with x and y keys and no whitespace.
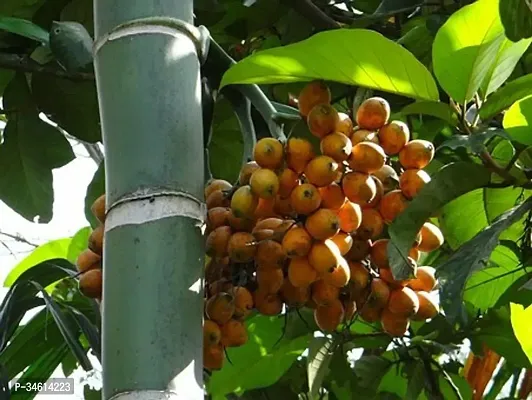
{"x":21,"y":63}
{"x":314,"y":14}
{"x":18,"y":238}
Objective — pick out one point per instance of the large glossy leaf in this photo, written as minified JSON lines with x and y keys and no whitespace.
{"x":78,"y":243}
{"x":521,"y":319}
{"x":464,"y":57}
{"x":65,"y":324}
{"x":517,"y":121}
{"x":260,"y":362}
{"x":446,"y":185}
{"x":506,"y":96}
{"x":495,"y":330}
{"x":24,"y":28}
{"x":516,"y":16}
{"x":48,"y":251}
{"x":72,"y":105}
{"x":433,"y":108}
{"x":94,"y":190}
{"x":89,"y":329}
{"x":31,"y":149}
{"x":359,"y":57}
{"x":369,"y":371}
{"x":318,"y":360}
{"x":471,"y":257}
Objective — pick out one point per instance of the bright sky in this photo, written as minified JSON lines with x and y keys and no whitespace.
{"x":70,"y":185}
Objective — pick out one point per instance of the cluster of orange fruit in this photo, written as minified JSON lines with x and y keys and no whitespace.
{"x":89,"y":262}
{"x":307,"y":229}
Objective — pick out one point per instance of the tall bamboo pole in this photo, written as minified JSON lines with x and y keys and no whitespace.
{"x":147,"y":74}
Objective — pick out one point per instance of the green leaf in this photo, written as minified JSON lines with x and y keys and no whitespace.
{"x":516,"y":16}
{"x":462,"y":57}
{"x":433,"y":108}
{"x":416,"y":380}
{"x":517,"y":121}
{"x":521,"y":319}
{"x":447,"y":184}
{"x":375,"y":62}
{"x":484,"y":288}
{"x":318,"y":360}
{"x":89,"y":329}
{"x":31,"y":149}
{"x":72,"y":105}
{"x":418,"y":41}
{"x":48,"y":251}
{"x":94,"y":190}
{"x":24,"y":28}
{"x":475,"y":142}
{"x":69,"y":364}
{"x":495,"y":330}
{"x":506,"y":96}
{"x":260,"y":362}
{"x":473,"y":256}
{"x":78,"y":243}
{"x":65,"y":325}
{"x":91,"y":394}
{"x":393,"y":383}
{"x":370,"y":370}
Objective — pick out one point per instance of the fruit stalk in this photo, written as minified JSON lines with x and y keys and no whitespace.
{"x":148,"y":82}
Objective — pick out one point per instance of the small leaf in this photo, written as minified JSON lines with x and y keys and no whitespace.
{"x":432,"y":108}
{"x":370,"y":370}
{"x":91,"y":394}
{"x":506,"y":96}
{"x":471,"y":257}
{"x":416,"y":380}
{"x":65,"y":326}
{"x":318,"y":360}
{"x":375,"y":62}
{"x":461,"y":56}
{"x":517,"y":121}
{"x":516,"y":16}
{"x":447,"y":184}
{"x":521,"y":319}
{"x":474,"y":142}
{"x":24,"y":28}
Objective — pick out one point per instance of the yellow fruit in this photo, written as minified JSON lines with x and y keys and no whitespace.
{"x":359,"y":187}
{"x":321,"y":171}
{"x":431,"y":238}
{"x":264,"y":183}
{"x":367,"y":157}
{"x":268,"y":153}
{"x":416,"y":154}
{"x":305,"y":199}
{"x":337,"y":146}
{"x":314,"y":93}
{"x":373,"y":113}
{"x":244,"y":202}
{"x":322,"y":120}
{"x":394,"y":136}
{"x":412,"y":181}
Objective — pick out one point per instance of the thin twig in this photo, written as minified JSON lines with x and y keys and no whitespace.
{"x":449,"y":380}
{"x":18,"y":238}
{"x":8,"y":248}
{"x":22,"y":63}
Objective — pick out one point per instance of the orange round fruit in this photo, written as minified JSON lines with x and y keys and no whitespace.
{"x":388,"y":177}
{"x":392,"y":204}
{"x":431,"y":238}
{"x":337,"y":146}
{"x":241,"y":247}
{"x":234,"y":333}
{"x":265,"y":209}
{"x":321,"y":171}
{"x":350,"y":217}
{"x":367,"y":157}
{"x":344,"y":242}
{"x":372,"y":224}
{"x":298,"y":153}
{"x":294,"y":296}
{"x":359,"y":275}
{"x":394,"y":136}
{"x":380,"y":192}
{"x":394,"y":324}
{"x":332,"y":196}
{"x":90,"y":283}
{"x":270,"y":280}
{"x":380,"y":292}
{"x":213,"y":357}
{"x":359,"y":250}
{"x":246,"y":171}
{"x":323,"y":293}
{"x":268,"y":223}
{"x":322,"y":120}
{"x":344,"y":124}
{"x":216,"y":185}
{"x":416,"y":154}
{"x":329,"y":316}
{"x":211,"y":333}
{"x":305,"y":199}
{"x":220,"y":308}
{"x":267,"y":303}
{"x":270,"y":254}
{"x":323,"y":224}
{"x":379,"y":253}
{"x":268,"y":153}
{"x":359,"y":187}
{"x":428,"y":307}
{"x":217,"y":198}
{"x":324,"y":256}
{"x":403,"y":301}
{"x":373,"y":113}
{"x":370,"y":313}
{"x":386,"y":275}
{"x":283,"y":207}
{"x":217,"y":216}
{"x":314,"y":93}
{"x":338,"y":276}
{"x":363,"y":135}
{"x":98,"y":208}
{"x":243,"y":300}
{"x":217,"y":241}
{"x":239,"y":224}
{"x":288,"y":180}
{"x":301,"y":273}
{"x":411,"y":182}
{"x":297,"y":242}
{"x":96,"y":239}
{"x":244,"y":202}
{"x":425,"y":280}
{"x":88,"y":260}
{"x":264,"y":183}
